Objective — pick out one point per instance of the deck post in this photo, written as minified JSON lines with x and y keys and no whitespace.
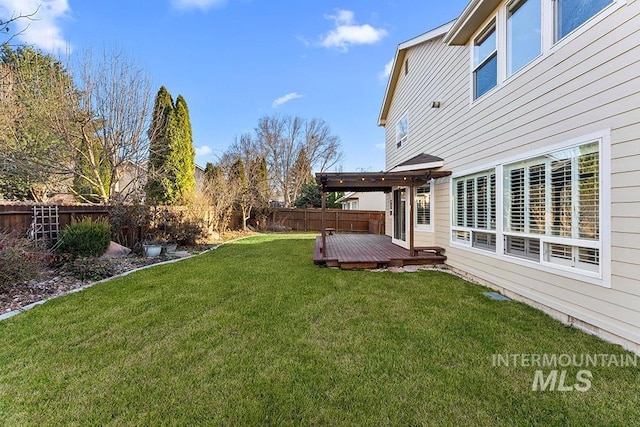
{"x":411,"y":220}
{"x":323,"y":249}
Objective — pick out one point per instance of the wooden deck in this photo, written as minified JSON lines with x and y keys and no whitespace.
{"x":366,"y":251}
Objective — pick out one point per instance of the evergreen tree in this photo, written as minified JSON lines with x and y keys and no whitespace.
{"x":185,"y":174}
{"x":172,"y":156}
{"x":159,"y":181}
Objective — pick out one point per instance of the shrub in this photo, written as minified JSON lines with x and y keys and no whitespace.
{"x":85,"y":238}
{"x":91,"y":268}
{"x":15,"y":264}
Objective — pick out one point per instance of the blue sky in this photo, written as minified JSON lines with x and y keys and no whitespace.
{"x":236,"y":61}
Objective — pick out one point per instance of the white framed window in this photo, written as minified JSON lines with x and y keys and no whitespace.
{"x":553,"y":213}
{"x":524,"y":33}
{"x":474,"y":210}
{"x":423,"y":204}
{"x":570,"y":14}
{"x":522,"y":30}
{"x":551,"y":208}
{"x":402,"y":131}
{"x":485,"y":61}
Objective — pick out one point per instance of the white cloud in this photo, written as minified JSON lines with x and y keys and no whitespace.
{"x":384,"y":74}
{"x":381,"y":146}
{"x":203,"y":151}
{"x":347,"y":33}
{"x":43,"y":28}
{"x":284,"y":99}
{"x":197,"y":4}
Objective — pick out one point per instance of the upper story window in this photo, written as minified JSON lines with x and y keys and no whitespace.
{"x":524,"y":33}
{"x":485,"y":61}
{"x":570,"y":14}
{"x":402,"y":131}
{"x":522,"y":30}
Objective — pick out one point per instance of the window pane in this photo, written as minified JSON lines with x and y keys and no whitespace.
{"x":561,"y":198}
{"x":522,"y":247}
{"x":470,"y":207}
{"x":423,"y":205}
{"x":492,"y":201}
{"x":537,"y":202}
{"x":516,"y":205}
{"x":402,"y":130}
{"x":570,"y":14}
{"x":589,"y":199}
{"x":524,"y":34}
{"x":486,"y":76}
{"x":481,"y":183}
{"x":484,"y":47}
{"x":460,"y":203}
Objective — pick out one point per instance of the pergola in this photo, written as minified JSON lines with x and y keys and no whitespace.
{"x":375,"y":181}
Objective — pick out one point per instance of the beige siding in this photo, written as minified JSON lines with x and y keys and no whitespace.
{"x":587,"y":84}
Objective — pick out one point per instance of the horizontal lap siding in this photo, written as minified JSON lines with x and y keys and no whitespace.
{"x":585,"y":85}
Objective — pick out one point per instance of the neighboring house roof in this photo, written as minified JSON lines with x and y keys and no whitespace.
{"x":346,"y":196}
{"x":421,"y":161}
{"x":476,"y":12}
{"x":397,"y":65}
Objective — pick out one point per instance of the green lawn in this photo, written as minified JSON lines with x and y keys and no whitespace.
{"x":254,"y":333}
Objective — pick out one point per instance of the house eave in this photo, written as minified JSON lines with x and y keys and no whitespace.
{"x":476,"y":12}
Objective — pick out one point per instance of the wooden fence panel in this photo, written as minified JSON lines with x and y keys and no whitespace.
{"x":343,"y":221}
{"x":17,"y":218}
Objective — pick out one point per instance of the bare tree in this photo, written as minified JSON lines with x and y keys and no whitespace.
{"x":285,"y":140}
{"x":108,"y":132}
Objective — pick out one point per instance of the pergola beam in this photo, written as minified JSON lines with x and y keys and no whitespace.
{"x":374,"y":181}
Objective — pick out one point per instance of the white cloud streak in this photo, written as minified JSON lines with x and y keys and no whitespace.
{"x":384,"y":74}
{"x":381,"y":146}
{"x":284,"y":99}
{"x":347,"y":33}
{"x":41,"y":30}
{"x":198,"y":4}
{"x":203,"y":151}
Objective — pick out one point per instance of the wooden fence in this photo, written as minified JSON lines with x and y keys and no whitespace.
{"x":343,"y":221}
{"x":17,"y":218}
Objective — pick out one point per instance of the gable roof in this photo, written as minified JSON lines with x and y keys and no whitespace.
{"x":476,"y":12}
{"x":421,"y":161}
{"x":397,"y":65}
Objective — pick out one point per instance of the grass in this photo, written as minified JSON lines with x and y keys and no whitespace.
{"x":254,"y":333}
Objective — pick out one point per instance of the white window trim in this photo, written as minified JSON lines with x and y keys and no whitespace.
{"x":403,"y":141}
{"x":421,"y":227}
{"x":548,"y":45}
{"x":603,"y":278}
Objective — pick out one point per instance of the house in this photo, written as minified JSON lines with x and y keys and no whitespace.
{"x":526,"y":115}
{"x":363,"y":201}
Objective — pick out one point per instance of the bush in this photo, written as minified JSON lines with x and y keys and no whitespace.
{"x":85,"y":238}
{"x":91,"y":268}
{"x":15,"y":264}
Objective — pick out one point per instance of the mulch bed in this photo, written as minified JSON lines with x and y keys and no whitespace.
{"x":54,"y":282}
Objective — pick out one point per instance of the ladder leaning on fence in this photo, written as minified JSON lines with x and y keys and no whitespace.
{"x":45,"y":225}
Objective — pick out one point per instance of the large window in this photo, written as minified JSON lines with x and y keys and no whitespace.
{"x":485,"y":61}
{"x":524,"y":33}
{"x":551,"y":208}
{"x":474,"y":212}
{"x":402,"y":131}
{"x":423,"y":206}
{"x":522,"y":30}
{"x":547,"y":209}
{"x":570,"y":14}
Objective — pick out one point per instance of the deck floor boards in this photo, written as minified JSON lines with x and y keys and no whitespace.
{"x":352,"y":251}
